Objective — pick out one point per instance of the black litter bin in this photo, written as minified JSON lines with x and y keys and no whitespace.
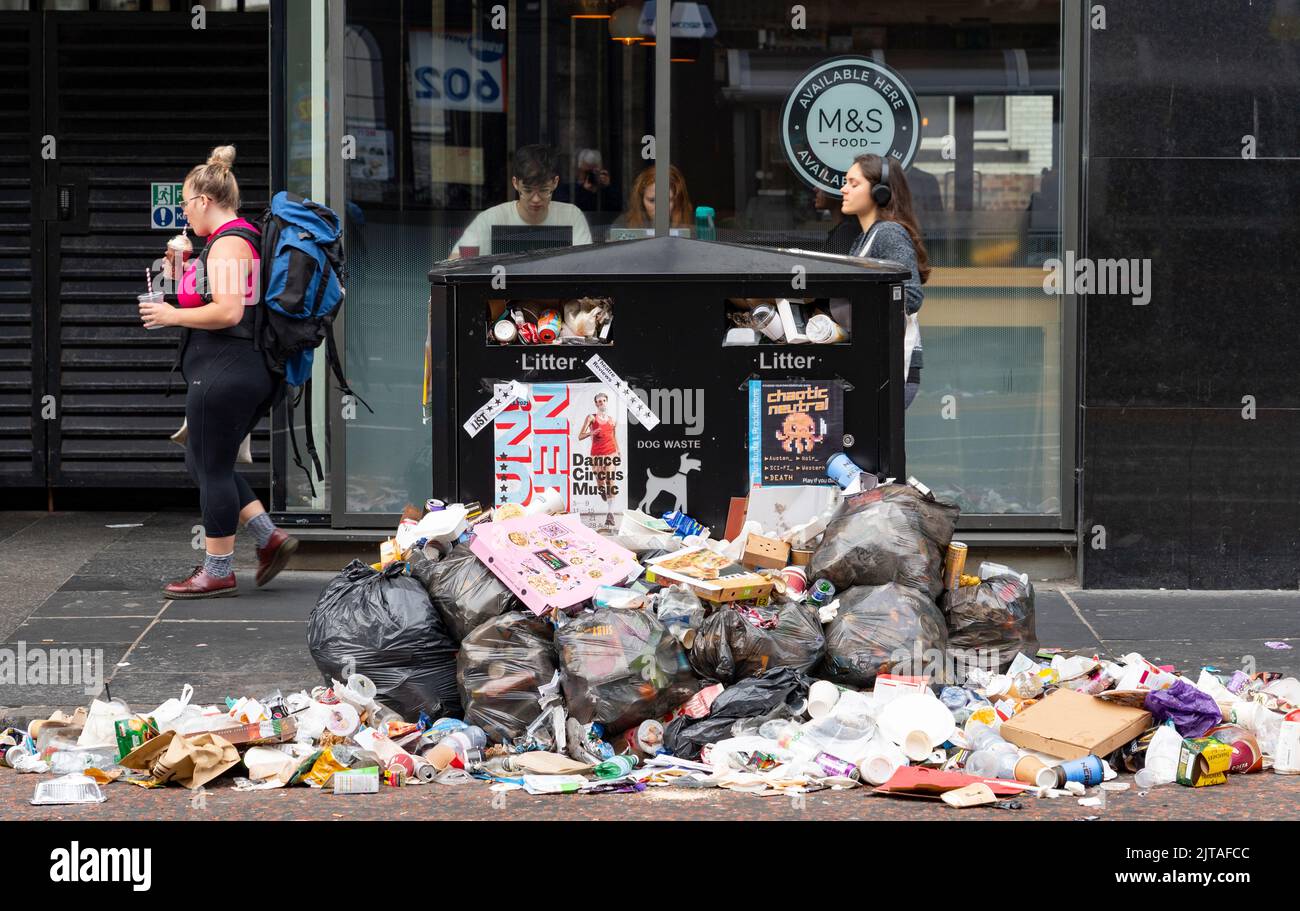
{"x":674,"y":302}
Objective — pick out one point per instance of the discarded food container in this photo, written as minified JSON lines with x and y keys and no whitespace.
{"x":357,"y":781}
{"x":1286,"y":759}
{"x":1203,"y":761}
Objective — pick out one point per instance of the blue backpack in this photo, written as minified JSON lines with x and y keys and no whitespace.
{"x":303,"y":278}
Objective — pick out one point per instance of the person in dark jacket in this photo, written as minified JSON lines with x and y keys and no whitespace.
{"x":883,"y":207}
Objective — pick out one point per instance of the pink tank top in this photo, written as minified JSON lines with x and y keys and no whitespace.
{"x":187,"y":296}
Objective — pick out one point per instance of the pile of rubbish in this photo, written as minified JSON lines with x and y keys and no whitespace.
{"x":523,"y":650}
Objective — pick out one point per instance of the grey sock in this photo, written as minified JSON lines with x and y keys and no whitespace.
{"x":262,"y":528}
{"x":219,"y":567}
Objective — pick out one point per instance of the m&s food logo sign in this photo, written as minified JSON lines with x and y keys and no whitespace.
{"x":843,"y":108}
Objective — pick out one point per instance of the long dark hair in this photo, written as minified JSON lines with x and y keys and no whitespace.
{"x":900,"y":206}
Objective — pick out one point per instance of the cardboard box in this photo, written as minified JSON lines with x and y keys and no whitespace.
{"x":711,"y":576}
{"x":1203,"y":761}
{"x":765,"y":553}
{"x":1070,"y":725}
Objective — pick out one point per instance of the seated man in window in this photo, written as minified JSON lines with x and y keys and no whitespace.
{"x":534,"y":177}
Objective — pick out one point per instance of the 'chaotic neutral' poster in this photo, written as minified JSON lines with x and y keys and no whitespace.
{"x":570,"y":437}
{"x":794,"y":427}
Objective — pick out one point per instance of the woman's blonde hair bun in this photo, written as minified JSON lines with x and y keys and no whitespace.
{"x":223,"y":156}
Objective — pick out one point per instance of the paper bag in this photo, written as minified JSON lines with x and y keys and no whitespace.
{"x":191,"y":760}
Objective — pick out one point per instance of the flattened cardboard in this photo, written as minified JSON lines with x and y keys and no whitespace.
{"x":918,"y":781}
{"x":1070,"y":725}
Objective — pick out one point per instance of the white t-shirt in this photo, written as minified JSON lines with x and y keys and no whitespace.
{"x":559,"y":214}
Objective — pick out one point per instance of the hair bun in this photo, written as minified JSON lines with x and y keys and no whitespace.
{"x":222,"y":155}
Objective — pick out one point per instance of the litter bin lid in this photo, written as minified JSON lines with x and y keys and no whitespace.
{"x":669,"y":259}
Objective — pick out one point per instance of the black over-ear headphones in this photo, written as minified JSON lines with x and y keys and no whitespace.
{"x":881,"y":192}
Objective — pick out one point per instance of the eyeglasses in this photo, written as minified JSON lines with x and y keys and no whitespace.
{"x":192,"y":198}
{"x":535,"y":192}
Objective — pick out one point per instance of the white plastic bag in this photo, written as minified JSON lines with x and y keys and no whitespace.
{"x":1162,"y":754}
{"x":99,"y":730}
{"x":171,"y":710}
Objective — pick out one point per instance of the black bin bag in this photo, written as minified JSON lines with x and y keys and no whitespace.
{"x":781,"y":691}
{"x":892,"y":533}
{"x":728,"y":645}
{"x":383,"y":625}
{"x":620,"y":667}
{"x":995,"y":617}
{"x":463,"y":589}
{"x":884,"y":629}
{"x":501,"y":665}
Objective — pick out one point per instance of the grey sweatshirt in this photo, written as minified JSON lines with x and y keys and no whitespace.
{"x":892,"y":242}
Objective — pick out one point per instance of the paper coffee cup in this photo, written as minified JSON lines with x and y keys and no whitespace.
{"x":878,"y":767}
{"x":1031,"y":770}
{"x":822,"y":697}
{"x":917,"y":746}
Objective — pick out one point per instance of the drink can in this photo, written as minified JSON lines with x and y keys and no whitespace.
{"x":834,"y":767}
{"x":528,"y":333}
{"x":548,"y":326}
{"x":842,"y":470}
{"x":954,"y":566}
{"x":822,"y":592}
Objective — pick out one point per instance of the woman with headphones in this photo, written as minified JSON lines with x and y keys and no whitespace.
{"x":877,"y":193}
{"x":228,"y":385}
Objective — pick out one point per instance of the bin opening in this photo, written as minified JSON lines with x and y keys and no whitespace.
{"x":788,"y":321}
{"x":531,"y":322}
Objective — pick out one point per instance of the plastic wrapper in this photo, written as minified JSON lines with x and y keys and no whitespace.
{"x":994,"y":615}
{"x":889,"y":534}
{"x":464,"y":591}
{"x":622,"y":667}
{"x":777,"y":692}
{"x":681,"y":611}
{"x":501,"y":665}
{"x":729,"y":646}
{"x":883,"y":629}
{"x":1192,"y":711}
{"x":382,"y":625}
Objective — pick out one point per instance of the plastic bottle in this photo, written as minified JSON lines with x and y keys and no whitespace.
{"x":1026,"y":685}
{"x":985,"y":738}
{"x":1147,"y":778}
{"x":704,"y":223}
{"x":983,"y":764}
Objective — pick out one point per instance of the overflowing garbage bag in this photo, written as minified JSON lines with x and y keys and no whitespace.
{"x":463,"y":589}
{"x":731,"y":643}
{"x":776,"y":693}
{"x":382,"y":625}
{"x":882,"y":629}
{"x":893,"y":533}
{"x":620,"y":667}
{"x":997,"y":614}
{"x":501,"y":665}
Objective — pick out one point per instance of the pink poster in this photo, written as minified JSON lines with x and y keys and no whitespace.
{"x":551,"y":561}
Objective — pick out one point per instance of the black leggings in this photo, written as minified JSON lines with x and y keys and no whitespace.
{"x":228,"y":390}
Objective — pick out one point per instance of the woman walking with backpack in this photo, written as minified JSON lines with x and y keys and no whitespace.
{"x":228,"y":385}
